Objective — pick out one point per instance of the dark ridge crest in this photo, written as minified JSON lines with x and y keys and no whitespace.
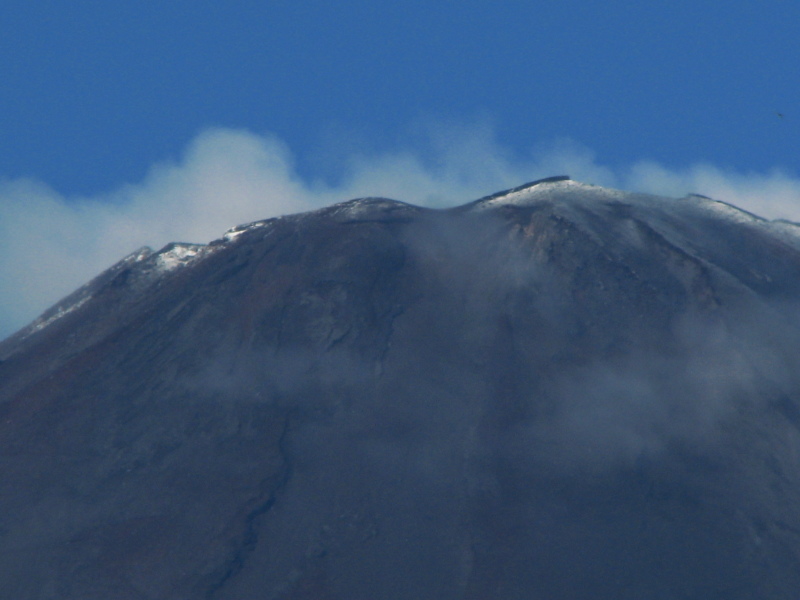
{"x":519,"y":188}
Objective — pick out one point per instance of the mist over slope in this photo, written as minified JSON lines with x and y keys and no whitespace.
{"x":557,"y":391}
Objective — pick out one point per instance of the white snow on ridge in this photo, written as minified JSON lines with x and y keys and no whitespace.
{"x":61,"y":311}
{"x":788,"y":229}
{"x":551,"y":190}
{"x":178,"y":255}
{"x":369,"y":208}
{"x":139,"y":255}
{"x":232,"y":234}
{"x":785,"y":231}
{"x":725,"y":210}
{"x":578,"y":201}
{"x":235,"y":232}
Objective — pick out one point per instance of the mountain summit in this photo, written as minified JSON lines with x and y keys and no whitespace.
{"x":557,"y":391}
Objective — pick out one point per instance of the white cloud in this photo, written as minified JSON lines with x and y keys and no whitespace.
{"x":774,"y":195}
{"x":51,"y":244}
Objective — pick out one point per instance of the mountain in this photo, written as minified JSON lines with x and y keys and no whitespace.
{"x":557,"y":391}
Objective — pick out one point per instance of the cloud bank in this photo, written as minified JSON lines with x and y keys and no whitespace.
{"x":50,"y":244}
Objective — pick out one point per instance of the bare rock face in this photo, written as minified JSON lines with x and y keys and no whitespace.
{"x":559,"y":391}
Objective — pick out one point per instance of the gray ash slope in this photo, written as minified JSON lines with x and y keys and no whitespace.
{"x":559,"y":391}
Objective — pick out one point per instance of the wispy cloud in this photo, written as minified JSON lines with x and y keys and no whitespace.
{"x":50,"y":244}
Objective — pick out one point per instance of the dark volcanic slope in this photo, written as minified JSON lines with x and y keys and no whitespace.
{"x":561,"y":391}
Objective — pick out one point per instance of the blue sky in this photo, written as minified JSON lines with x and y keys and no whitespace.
{"x":130,"y":123}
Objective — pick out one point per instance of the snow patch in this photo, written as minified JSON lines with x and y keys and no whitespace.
{"x":786,"y":231}
{"x":177,"y":255}
{"x":139,"y":255}
{"x":551,"y":189}
{"x":60,"y":311}
{"x":371,"y":209}
{"x":234,"y":232}
{"x":728,"y":211}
